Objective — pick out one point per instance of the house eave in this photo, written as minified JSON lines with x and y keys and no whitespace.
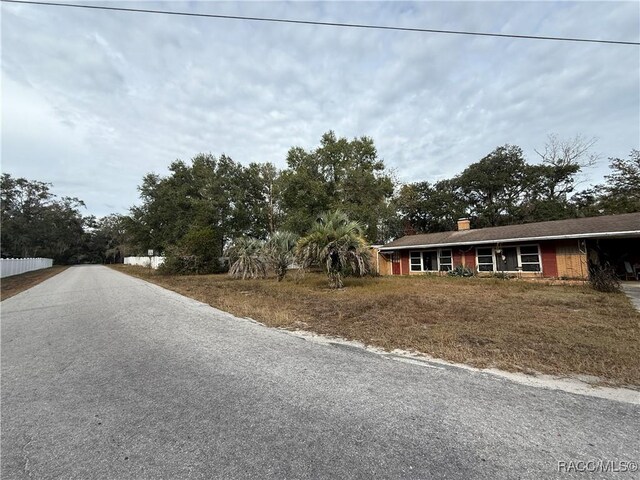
{"x":577,"y":236}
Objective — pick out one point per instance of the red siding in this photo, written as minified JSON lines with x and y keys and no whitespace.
{"x":457,"y":258}
{"x":470,"y":259}
{"x":549,"y":262}
{"x":404,"y":263}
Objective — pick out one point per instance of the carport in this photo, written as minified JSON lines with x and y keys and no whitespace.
{"x":623,"y":254}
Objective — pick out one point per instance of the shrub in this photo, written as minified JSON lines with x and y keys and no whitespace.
{"x":196,"y":253}
{"x":603,"y":278}
{"x":279,"y":252}
{"x":246,"y":258}
{"x":460,"y":271}
{"x":336,"y":244}
{"x":179,"y":263}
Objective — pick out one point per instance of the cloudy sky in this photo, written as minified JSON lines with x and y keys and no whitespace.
{"x":93,"y":100}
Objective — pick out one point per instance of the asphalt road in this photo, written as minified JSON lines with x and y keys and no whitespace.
{"x":106,"y":376}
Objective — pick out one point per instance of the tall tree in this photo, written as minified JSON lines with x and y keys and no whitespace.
{"x":428,"y":207}
{"x":216,"y":194}
{"x":552,"y":181}
{"x":35,"y":223}
{"x":110,"y":239}
{"x":587,"y":203}
{"x":262,"y":190}
{"x":493,"y":187}
{"x":338,"y":174}
{"x":621,"y":191}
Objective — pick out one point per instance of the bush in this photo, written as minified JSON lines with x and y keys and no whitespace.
{"x":335,"y":243}
{"x":247,"y":258}
{"x":603,"y":278}
{"x":176,"y":263}
{"x":279,"y":252}
{"x":460,"y":271}
{"x":196,"y":253}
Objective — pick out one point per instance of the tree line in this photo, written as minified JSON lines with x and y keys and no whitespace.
{"x":202,"y":205}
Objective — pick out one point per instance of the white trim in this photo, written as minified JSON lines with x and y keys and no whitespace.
{"x":514,"y":240}
{"x":411,"y":253}
{"x":493,"y":259}
{"x":437,"y":252}
{"x":539,"y":254}
{"x":519,"y":258}
{"x":450,"y":264}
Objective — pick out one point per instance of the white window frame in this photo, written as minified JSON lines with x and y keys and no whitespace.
{"x":437,"y":252}
{"x":440,"y":264}
{"x":412,"y":254}
{"x":518,"y":254}
{"x":539,"y":262}
{"x":493,"y":259}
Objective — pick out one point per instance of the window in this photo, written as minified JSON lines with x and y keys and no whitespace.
{"x":446,"y":260}
{"x":415,"y":262}
{"x":427,"y":260}
{"x":530,"y":258}
{"x":485,"y":259}
{"x":525,"y":258}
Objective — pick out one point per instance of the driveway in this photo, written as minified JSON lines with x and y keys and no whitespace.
{"x":632,"y":289}
{"x":106,"y":376}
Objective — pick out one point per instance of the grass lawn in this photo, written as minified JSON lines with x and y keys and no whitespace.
{"x":513,"y":325}
{"x":10,"y":286}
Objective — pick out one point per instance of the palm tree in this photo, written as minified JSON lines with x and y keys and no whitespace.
{"x":279,"y":250}
{"x":246,"y":258}
{"x":337,"y":244}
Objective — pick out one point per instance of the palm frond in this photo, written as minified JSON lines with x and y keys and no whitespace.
{"x":335,"y":243}
{"x":279,"y":251}
{"x":246,"y":258}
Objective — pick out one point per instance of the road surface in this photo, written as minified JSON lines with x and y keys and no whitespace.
{"x":108,"y":377}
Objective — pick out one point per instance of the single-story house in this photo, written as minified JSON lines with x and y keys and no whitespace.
{"x":555,"y":249}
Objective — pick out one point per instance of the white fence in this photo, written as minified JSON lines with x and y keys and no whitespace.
{"x":16,"y":266}
{"x":144,"y":261}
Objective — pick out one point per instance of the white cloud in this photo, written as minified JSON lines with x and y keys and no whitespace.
{"x":92,"y":101}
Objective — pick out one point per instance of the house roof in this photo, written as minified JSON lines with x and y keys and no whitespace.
{"x":625,"y":225}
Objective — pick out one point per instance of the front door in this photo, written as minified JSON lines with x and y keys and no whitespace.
{"x":395,"y":263}
{"x":507,"y":260}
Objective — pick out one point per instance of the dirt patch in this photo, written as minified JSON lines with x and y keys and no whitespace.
{"x":10,"y":286}
{"x":511,"y":325}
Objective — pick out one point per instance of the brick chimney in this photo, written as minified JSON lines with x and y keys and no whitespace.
{"x":464,"y":224}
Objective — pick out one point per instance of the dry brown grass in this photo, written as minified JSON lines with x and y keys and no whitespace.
{"x":512,"y":325}
{"x":15,"y":284}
